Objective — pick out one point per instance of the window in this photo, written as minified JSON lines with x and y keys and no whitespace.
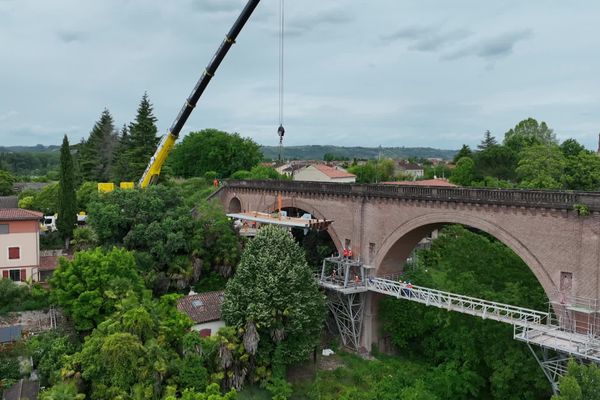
{"x":14,"y":253}
{"x":15,"y":275}
{"x":3,"y":229}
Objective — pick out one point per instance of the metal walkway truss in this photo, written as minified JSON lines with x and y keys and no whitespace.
{"x":554,"y":342}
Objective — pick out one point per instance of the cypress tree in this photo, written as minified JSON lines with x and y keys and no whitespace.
{"x":142,"y":138}
{"x":67,"y":211}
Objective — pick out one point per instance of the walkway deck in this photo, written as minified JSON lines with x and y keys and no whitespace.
{"x":530,"y":326}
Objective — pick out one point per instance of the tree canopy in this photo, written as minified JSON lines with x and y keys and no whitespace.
{"x":214,"y":150}
{"x":90,"y":286}
{"x":273,"y":292}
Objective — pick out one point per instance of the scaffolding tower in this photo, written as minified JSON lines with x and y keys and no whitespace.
{"x":345,"y":281}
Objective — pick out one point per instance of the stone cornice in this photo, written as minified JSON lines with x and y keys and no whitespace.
{"x":553,"y":199}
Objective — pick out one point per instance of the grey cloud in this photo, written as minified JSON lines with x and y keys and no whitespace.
{"x":215,"y":6}
{"x":491,"y":48}
{"x":71,"y":36}
{"x":427,"y":39}
{"x":297,"y":26}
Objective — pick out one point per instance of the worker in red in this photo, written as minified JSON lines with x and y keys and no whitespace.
{"x":216,"y":182}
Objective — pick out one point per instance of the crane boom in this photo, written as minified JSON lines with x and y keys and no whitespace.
{"x":152,"y":171}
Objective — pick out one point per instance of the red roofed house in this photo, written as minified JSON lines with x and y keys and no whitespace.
{"x":324,"y":173}
{"x":204,"y":309}
{"x":19,"y":243}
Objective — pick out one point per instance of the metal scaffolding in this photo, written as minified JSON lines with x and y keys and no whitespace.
{"x":348,"y":311}
{"x":568,"y":330}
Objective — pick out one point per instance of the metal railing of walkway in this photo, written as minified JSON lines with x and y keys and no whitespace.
{"x":455,"y":302}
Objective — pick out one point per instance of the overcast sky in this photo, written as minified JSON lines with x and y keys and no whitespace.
{"x":358,"y":72}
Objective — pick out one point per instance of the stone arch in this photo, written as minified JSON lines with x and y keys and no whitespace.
{"x":404,"y":238}
{"x":310,"y":208}
{"x":235,"y":206}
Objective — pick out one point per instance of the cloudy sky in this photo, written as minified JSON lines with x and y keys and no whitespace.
{"x":358,"y":72}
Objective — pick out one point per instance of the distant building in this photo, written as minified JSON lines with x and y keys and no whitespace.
{"x":19,"y":244}
{"x":426,"y":182}
{"x":405,"y":167}
{"x":289,"y":169}
{"x":205,"y":310}
{"x":324,"y":173}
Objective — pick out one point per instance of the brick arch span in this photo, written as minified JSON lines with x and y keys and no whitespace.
{"x":309,"y":208}
{"x":400,"y":242}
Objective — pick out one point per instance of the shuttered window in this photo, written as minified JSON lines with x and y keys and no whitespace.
{"x":14,"y":253}
{"x":3,"y":229}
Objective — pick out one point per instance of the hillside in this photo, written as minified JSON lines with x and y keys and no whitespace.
{"x":28,"y":149}
{"x":316,"y":152}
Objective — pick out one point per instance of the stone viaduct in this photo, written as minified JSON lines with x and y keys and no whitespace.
{"x":383,"y":223}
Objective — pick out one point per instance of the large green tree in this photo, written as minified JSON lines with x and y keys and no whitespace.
{"x":90,"y":286}
{"x":67,"y":202}
{"x":214,"y":150}
{"x":173,"y":243}
{"x":96,"y":153}
{"x":541,"y":167}
{"x":464,"y":173}
{"x":529,"y":133}
{"x":274,"y":292}
{"x":133,"y":353}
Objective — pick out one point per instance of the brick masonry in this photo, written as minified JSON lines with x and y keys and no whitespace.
{"x":541,"y":227}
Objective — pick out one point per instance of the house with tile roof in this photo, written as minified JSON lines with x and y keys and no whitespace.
{"x":19,"y":244}
{"x":324,"y":173}
{"x":204,"y":309}
{"x":406,"y":167}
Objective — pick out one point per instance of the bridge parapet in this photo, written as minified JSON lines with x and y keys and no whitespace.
{"x":554,"y":199}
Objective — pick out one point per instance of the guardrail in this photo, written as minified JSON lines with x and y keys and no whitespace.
{"x":510,"y":197}
{"x":456,"y":302}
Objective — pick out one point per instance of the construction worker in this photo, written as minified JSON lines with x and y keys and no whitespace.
{"x":216,"y":182}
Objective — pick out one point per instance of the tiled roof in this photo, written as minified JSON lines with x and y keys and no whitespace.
{"x":202,"y":307}
{"x":334,"y":172}
{"x":9,"y":202}
{"x":50,"y":263}
{"x":19,"y":214}
{"x":408,"y":166}
{"x":426,"y":182}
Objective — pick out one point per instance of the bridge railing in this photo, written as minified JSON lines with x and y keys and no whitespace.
{"x":510,"y":197}
{"x":455,"y":302}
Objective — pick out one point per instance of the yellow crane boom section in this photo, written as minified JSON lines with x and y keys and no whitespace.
{"x":157,"y":161}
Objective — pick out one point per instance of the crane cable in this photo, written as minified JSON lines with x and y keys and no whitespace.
{"x":281,"y":130}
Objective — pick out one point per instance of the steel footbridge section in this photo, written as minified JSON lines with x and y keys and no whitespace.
{"x":484,"y":309}
{"x":551,"y":340}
